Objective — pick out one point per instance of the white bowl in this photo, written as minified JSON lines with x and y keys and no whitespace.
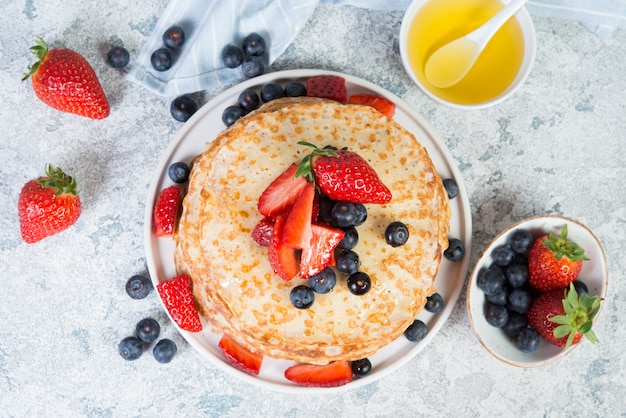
{"x":530,"y":46}
{"x":594,"y":274}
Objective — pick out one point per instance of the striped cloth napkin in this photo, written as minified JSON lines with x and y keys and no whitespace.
{"x":209,"y":25}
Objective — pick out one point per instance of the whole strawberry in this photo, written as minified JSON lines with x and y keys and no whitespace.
{"x":562,"y":317}
{"x":48,"y":205}
{"x":64,"y":80}
{"x":554,"y":262}
{"x":343,"y":175}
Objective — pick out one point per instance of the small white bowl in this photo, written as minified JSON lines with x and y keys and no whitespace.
{"x":530,"y":46}
{"x":594,"y":274}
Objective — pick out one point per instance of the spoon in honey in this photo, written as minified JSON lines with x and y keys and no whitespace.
{"x":450,"y":63}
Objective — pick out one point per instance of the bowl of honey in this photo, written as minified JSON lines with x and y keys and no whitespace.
{"x":499,"y":71}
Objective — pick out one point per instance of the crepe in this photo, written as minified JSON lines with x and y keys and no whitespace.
{"x":235,"y":288}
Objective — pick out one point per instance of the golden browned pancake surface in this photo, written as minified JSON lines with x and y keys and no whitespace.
{"x":234,"y":285}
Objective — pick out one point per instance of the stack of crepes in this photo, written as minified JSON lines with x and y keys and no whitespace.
{"x":234,"y":285}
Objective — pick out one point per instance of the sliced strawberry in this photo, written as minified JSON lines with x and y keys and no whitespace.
{"x":240,"y":357}
{"x":282,"y":257}
{"x":166,"y":211}
{"x":320,"y":253}
{"x":337,"y":373}
{"x":297,"y":229}
{"x":330,"y":87}
{"x":262,"y":232}
{"x":178,"y":299}
{"x":383,"y":105}
{"x":281,"y":194}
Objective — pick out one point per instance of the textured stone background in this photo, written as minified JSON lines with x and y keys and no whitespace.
{"x":556,"y":147}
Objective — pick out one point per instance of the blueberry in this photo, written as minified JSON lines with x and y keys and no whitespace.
{"x":138,"y":286}
{"x":580,"y":287}
{"x":416,"y":331}
{"x":253,"y":45}
{"x":455,"y":250}
{"x":520,"y":301}
{"x":182,"y":108}
{"x":130,"y":348}
{"x":344,"y":214}
{"x":347,"y":262}
{"x":302,"y":297}
{"x":178,"y":172}
{"x":503,"y":255}
{"x":326,"y":207}
{"x":517,"y":275}
{"x":118,"y":57}
{"x":515,"y":324}
{"x":361,"y":367}
{"x":451,"y":188}
{"x":232,"y":56}
{"x":161,"y":59}
{"x":148,"y":330}
{"x":490,"y":281}
{"x":497,"y":315}
{"x":501,"y":297}
{"x":295,"y":89}
{"x":248,"y":100}
{"x":231,"y":114}
{"x":324,"y":281}
{"x":359,"y":283}
{"x":361,"y":212}
{"x":521,"y":240}
{"x":396,"y":234}
{"x":164,"y":350}
{"x":350,"y":239}
{"x":252,"y":66}
{"x":528,"y":340}
{"x":174,"y":37}
{"x":271,"y":91}
{"x":434,"y":303}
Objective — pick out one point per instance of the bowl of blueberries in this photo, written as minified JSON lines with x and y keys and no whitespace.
{"x":536,"y":291}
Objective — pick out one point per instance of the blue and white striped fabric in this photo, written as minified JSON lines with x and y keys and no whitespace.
{"x":209,"y":25}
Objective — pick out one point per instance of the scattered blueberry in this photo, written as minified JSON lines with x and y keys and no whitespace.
{"x":295,"y":89}
{"x":231,"y":114}
{"x":528,"y":340}
{"x":347,"y":262}
{"x":118,"y":57}
{"x":580,"y":287}
{"x":271,"y":91}
{"x":503,"y":255}
{"x":497,"y":315}
{"x":517,"y":275}
{"x":324,"y":281}
{"x":455,"y":250}
{"x":130,"y":348}
{"x":161,"y":59}
{"x":182,"y":108}
{"x":248,"y":100}
{"x":164,"y":350}
{"x":138,"y":286}
{"x":253,"y":45}
{"x":521,"y":240}
{"x":396,"y":234}
{"x":178,"y":172}
{"x":148,"y":330}
{"x":350,"y":239}
{"x":232,"y":56}
{"x":490,"y":281}
{"x":252,"y":66}
{"x":174,"y":37}
{"x":416,"y":331}
{"x":501,"y":297}
{"x":520,"y":301}
{"x":361,"y":367}
{"x":302,"y":297}
{"x":451,"y":188}
{"x":359,"y":283}
{"x":344,"y":214}
{"x":515,"y":324}
{"x":434,"y":303}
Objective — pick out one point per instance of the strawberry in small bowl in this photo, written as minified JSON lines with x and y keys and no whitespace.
{"x":536,"y":291}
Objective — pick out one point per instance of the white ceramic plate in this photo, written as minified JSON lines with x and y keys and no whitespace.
{"x":205,"y":125}
{"x":594,"y":274}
